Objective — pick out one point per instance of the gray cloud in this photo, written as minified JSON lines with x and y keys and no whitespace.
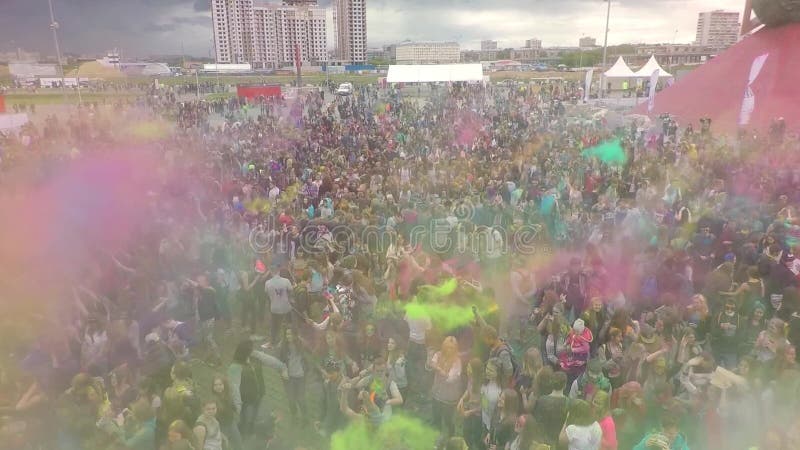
{"x":202,"y":5}
{"x":143,"y":27}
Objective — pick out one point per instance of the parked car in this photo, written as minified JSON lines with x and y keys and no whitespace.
{"x":345,"y":89}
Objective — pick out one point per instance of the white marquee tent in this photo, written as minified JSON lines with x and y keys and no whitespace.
{"x":620,"y":70}
{"x":647,"y":70}
{"x":434,"y":73}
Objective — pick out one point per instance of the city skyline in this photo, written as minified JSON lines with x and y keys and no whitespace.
{"x":167,"y":26}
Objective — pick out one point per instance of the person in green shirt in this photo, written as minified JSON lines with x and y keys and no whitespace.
{"x":668,"y":437}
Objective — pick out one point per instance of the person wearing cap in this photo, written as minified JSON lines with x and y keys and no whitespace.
{"x":578,"y":342}
{"x":590,"y":381}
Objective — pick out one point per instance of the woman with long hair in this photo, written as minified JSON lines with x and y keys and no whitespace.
{"x":532,"y":364}
{"x":469,"y":407}
{"x":556,"y":342}
{"x":527,"y":430}
{"x":601,"y":405}
{"x":395,"y":253}
{"x":179,"y":437}
{"x":332,"y":348}
{"x":490,"y":392}
{"x":698,"y":317}
{"x":369,"y":345}
{"x":226,"y":411}
{"x":595,"y":318}
{"x":396,"y":366}
{"x":581,"y":431}
{"x":504,"y":421}
{"x":447,"y":385}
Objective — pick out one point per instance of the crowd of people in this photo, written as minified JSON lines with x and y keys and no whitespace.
{"x":590,"y":304}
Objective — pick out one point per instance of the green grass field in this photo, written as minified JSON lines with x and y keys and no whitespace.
{"x":59,"y":98}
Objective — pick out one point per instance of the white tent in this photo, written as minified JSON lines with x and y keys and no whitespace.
{"x":434,"y":73}
{"x":12,"y":122}
{"x":647,"y":70}
{"x":620,"y":70}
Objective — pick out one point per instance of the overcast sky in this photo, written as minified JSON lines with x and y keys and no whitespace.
{"x":143,"y":27}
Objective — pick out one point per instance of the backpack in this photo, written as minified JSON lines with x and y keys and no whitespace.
{"x":515,"y":367}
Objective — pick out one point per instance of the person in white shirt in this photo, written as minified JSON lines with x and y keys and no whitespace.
{"x":279,"y":291}
{"x":581,"y":431}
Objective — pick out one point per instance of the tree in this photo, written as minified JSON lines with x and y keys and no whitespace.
{"x":379,"y":61}
{"x":504,"y":54}
{"x":586,"y":58}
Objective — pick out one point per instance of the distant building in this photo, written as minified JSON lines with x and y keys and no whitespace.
{"x":282,"y":31}
{"x":269,"y":35}
{"x":587,"y":42}
{"x":533,"y":43}
{"x":471,"y":56}
{"x":427,"y":53}
{"x":19,"y":55}
{"x":350,"y":22}
{"x":488,"y":45}
{"x":378,"y":53}
{"x":27,"y":72}
{"x":718,"y":29}
{"x":552,"y":55}
{"x":672,"y":54}
{"x":526,"y":55}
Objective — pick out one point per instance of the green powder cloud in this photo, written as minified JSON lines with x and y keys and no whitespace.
{"x":447,"y":305}
{"x":398,"y":433}
{"x":610,"y":153}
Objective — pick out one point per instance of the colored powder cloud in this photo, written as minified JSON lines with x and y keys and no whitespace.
{"x":148,"y":131}
{"x":447,"y":305}
{"x":546,"y":207}
{"x":398,"y":433}
{"x":53,"y":230}
{"x":610,"y":153}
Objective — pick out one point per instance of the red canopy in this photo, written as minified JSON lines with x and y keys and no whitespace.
{"x":716,"y":89}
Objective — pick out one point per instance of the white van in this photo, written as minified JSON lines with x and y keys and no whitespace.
{"x":345,"y":89}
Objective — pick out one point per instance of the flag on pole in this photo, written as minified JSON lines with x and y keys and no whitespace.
{"x":588,"y":87}
{"x":749,"y":100}
{"x":651,"y":103}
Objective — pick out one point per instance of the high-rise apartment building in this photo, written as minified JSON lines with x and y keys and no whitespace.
{"x":488,"y":45}
{"x":718,"y":29}
{"x":268,"y":35}
{"x":233,"y":30}
{"x":350,"y":21}
{"x":533,"y":43}
{"x":428,"y":53}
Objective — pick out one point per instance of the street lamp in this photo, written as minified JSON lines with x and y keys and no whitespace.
{"x":54,"y":27}
{"x":605,"y":42}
